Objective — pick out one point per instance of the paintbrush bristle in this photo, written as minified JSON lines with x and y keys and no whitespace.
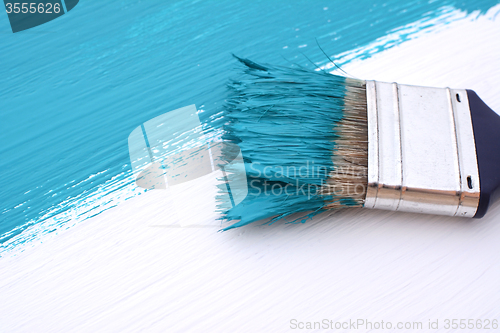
{"x":303,"y":136}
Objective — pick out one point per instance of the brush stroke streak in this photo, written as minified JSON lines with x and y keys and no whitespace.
{"x":73,"y":88}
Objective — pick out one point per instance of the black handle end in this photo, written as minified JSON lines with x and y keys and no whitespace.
{"x":486,"y":124}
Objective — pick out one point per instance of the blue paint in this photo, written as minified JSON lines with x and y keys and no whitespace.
{"x":73,"y":89}
{"x":284,"y":121}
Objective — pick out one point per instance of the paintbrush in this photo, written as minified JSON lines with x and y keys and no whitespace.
{"x":313,"y":141}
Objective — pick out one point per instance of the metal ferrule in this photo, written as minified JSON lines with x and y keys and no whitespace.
{"x":421,"y":150}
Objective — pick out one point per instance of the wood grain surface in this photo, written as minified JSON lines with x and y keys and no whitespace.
{"x":133,"y":268}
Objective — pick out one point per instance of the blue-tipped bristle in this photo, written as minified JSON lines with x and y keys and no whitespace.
{"x":285,"y":122}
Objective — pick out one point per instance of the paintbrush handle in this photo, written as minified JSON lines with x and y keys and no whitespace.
{"x":486,"y":124}
{"x":431,"y":150}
